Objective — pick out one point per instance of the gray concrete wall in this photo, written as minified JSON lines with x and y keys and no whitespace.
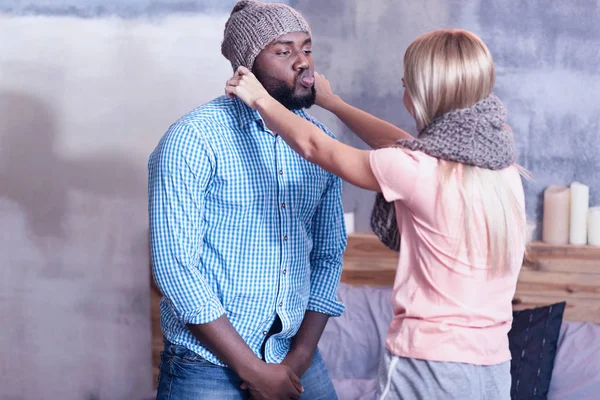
{"x":110,"y":8}
{"x":547,"y":55}
{"x":83,"y":101}
{"x":88,"y":87}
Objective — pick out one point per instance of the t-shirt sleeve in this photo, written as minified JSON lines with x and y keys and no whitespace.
{"x":397,"y":171}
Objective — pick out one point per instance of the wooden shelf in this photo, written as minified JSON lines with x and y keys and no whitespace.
{"x":550,"y":274}
{"x":564,"y":258}
{"x":366,"y":245}
{"x":541,"y":249}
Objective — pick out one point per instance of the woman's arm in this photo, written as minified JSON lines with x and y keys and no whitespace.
{"x":349,"y":163}
{"x":376,"y":132}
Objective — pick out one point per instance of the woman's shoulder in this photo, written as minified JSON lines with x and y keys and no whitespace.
{"x":400,"y":154}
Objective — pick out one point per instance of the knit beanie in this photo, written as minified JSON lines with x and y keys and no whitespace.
{"x":253,"y":25}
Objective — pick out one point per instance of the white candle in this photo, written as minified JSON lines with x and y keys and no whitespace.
{"x":349,"y":221}
{"x":580,"y":198}
{"x":594,"y":226}
{"x":557,"y":211}
{"x":531,"y":226}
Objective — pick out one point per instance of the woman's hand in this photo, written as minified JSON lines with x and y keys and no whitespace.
{"x":246,"y":87}
{"x":325,"y":97}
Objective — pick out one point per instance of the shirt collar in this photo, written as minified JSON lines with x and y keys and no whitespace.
{"x":247,"y":115}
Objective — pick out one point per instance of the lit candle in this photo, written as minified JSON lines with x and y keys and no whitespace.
{"x":555,"y":228}
{"x":580,"y":199}
{"x":594,"y":226}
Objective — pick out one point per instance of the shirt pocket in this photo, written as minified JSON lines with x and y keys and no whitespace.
{"x":310,"y":192}
{"x":239,"y":191}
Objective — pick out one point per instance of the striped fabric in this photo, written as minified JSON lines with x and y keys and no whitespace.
{"x":242,"y":225}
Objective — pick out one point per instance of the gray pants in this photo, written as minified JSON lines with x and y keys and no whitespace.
{"x":402,"y":378}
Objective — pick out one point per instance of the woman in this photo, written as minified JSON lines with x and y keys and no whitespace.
{"x":460,"y":212}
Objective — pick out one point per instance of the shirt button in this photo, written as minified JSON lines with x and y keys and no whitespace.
{"x":282,"y":205}
{"x":280,"y":172}
{"x":284,"y":271}
{"x":281,"y":304}
{"x":265,"y":333}
{"x":285,"y":238}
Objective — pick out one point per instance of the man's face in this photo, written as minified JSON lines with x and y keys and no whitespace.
{"x":286,"y":69}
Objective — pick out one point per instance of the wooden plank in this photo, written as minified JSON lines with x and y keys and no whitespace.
{"x":365,"y":245}
{"x":369,"y":277}
{"x":369,"y":264}
{"x":366,"y":253}
{"x":576,"y":309}
{"x":571,"y":252}
{"x":560,"y":284}
{"x":564,"y":265}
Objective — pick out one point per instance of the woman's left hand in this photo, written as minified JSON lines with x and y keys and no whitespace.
{"x":324,"y":95}
{"x":246,"y":87}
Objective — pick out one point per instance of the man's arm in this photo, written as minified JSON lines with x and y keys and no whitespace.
{"x":329,"y":243}
{"x":180,"y":171}
{"x":305,"y":342}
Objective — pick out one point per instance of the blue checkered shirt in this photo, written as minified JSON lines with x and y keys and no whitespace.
{"x":243,"y":226}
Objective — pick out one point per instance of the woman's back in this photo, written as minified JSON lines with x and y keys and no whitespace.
{"x":449,"y":303}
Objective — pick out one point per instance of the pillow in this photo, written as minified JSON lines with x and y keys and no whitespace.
{"x":576,"y":373}
{"x":352,"y":345}
{"x":533,"y":341}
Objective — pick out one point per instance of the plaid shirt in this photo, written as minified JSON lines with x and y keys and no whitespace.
{"x":243,"y":226}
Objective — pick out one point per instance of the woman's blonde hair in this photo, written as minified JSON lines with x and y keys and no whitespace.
{"x":446,"y":70}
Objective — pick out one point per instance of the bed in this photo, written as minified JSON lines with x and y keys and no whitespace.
{"x":351,"y":345}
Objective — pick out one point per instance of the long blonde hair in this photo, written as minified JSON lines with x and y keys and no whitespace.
{"x":446,"y":70}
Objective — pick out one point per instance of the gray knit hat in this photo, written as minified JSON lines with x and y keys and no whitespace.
{"x":253,"y":25}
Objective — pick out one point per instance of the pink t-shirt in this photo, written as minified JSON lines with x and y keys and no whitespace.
{"x":447,"y":307}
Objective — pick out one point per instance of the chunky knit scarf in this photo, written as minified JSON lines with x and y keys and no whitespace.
{"x":477,"y":136}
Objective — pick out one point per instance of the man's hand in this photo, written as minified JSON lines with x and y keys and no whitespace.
{"x":299,"y":361}
{"x":272,"y":382}
{"x":246,"y":87}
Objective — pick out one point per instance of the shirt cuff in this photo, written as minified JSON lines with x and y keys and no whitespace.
{"x":210,"y":312}
{"x":333,"y":308}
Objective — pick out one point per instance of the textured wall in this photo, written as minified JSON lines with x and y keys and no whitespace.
{"x":121,"y":8}
{"x":547,"y":56}
{"x":82,"y":104}
{"x":84,"y":100}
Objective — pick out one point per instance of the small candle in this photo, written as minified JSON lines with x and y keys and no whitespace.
{"x":349,"y":221}
{"x":594,"y":226}
{"x":531,"y":226}
{"x":580,"y":199}
{"x":555,"y":228}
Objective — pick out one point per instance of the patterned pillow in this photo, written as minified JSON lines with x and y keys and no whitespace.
{"x":533,"y":342}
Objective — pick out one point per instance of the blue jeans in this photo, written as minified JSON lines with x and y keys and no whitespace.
{"x":184,"y":375}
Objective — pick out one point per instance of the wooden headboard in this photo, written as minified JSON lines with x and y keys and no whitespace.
{"x":551,"y":274}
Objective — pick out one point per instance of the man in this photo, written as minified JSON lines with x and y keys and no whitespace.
{"x":247,"y":237}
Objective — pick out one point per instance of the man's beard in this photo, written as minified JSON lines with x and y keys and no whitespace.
{"x":285,"y":94}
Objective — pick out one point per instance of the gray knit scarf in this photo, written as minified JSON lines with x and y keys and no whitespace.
{"x":477,"y":136}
